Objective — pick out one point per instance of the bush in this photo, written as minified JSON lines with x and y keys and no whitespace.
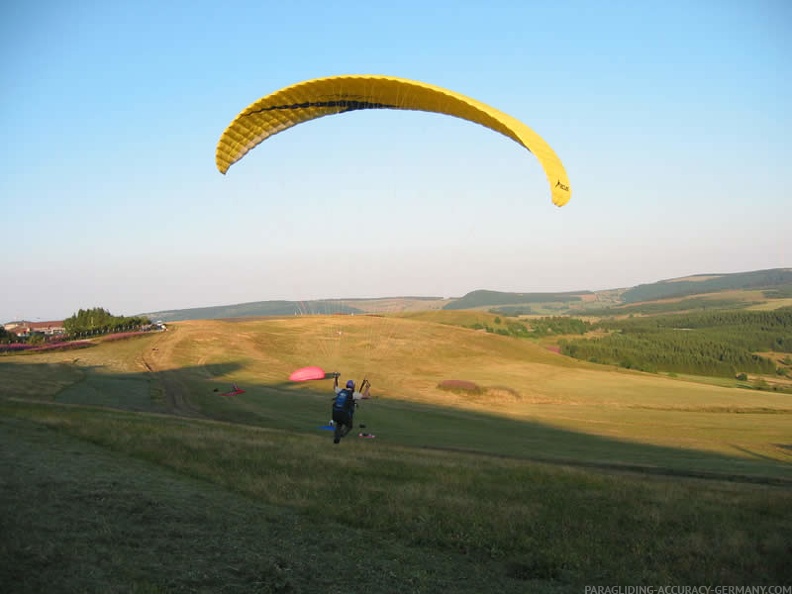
{"x":460,"y":386}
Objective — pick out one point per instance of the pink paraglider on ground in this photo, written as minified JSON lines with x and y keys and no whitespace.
{"x":305,"y":374}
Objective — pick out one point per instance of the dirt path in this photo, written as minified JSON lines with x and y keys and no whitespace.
{"x":156,"y":359}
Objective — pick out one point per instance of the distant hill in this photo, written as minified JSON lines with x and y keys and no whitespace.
{"x":775,"y":283}
{"x":483,"y":298}
{"x":257,"y":309}
{"x":710,"y":283}
{"x":253,"y":309}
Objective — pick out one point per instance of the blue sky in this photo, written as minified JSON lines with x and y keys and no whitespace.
{"x":672,"y":119}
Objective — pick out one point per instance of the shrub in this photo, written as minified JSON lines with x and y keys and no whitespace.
{"x":460,"y":386}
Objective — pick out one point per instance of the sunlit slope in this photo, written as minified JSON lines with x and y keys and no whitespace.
{"x":403,"y":358}
{"x":406,"y":360}
{"x":551,"y":402}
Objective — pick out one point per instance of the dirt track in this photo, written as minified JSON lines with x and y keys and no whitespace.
{"x":176,"y":393}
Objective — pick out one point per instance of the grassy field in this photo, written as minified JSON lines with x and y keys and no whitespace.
{"x":124,"y":469}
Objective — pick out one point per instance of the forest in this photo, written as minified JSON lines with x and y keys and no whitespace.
{"x":721,"y":343}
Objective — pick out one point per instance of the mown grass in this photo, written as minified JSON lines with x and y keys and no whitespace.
{"x":79,"y":518}
{"x":521,"y":520}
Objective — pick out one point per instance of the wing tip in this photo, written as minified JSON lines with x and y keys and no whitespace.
{"x":222,"y":166}
{"x":561,"y":192}
{"x":561,"y":199}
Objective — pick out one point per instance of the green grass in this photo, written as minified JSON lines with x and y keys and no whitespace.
{"x":500,"y":522}
{"x":82,"y":518}
{"x":556,"y":475}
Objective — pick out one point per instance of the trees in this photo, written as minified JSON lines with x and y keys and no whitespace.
{"x":98,"y":320}
{"x":721,"y":343}
{"x":6,"y":337}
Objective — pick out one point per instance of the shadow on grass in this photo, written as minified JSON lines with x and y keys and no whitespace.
{"x":199,"y":391}
{"x":78,"y":517}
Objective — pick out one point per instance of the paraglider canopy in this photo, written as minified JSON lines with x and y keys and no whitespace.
{"x":305,"y":374}
{"x":320,"y":97}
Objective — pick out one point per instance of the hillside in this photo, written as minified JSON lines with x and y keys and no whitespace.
{"x":297,"y":308}
{"x":765,"y":284}
{"x":497,"y":465}
{"x":482,"y":298}
{"x":778,"y":280}
{"x":408,"y":361}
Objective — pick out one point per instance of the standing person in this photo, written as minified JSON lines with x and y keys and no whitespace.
{"x":344,"y":403}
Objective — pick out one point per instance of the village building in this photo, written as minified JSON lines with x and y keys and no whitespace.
{"x":24,"y":329}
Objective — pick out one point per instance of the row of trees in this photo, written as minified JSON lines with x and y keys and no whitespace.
{"x":98,"y":320}
{"x":86,"y":322}
{"x":718,"y":343}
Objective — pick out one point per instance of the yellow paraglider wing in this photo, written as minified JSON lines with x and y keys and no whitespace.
{"x":339,"y":94}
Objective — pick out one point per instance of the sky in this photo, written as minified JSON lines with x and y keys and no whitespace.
{"x":672,"y":118}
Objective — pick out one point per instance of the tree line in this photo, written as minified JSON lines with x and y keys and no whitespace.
{"x":721,"y":343}
{"x":98,"y":320}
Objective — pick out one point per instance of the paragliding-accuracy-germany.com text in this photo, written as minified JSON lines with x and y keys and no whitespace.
{"x":688,"y":590}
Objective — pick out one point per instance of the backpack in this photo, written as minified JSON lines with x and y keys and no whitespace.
{"x":343,"y":401}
